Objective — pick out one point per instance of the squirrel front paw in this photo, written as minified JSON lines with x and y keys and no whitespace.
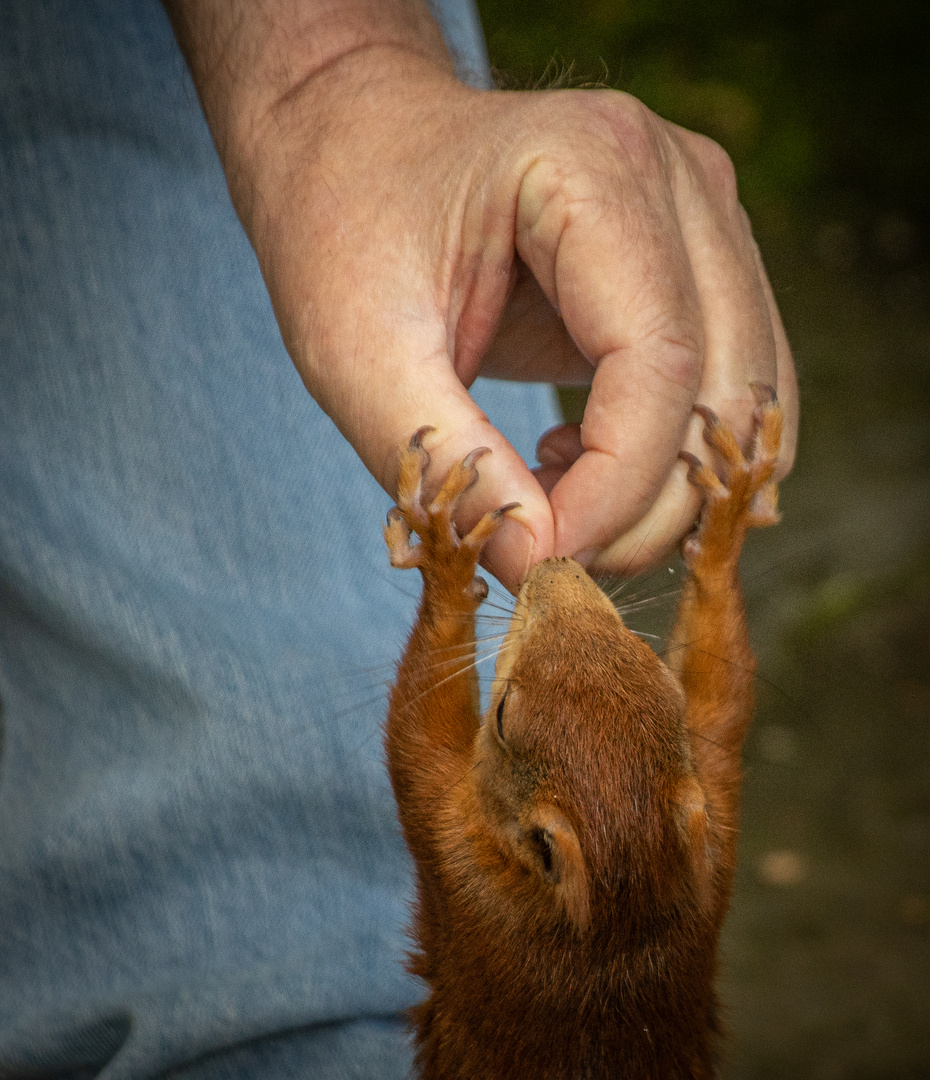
{"x":746,"y":496}
{"x":445,"y":559}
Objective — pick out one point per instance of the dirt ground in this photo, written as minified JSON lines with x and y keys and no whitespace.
{"x":826,"y":970}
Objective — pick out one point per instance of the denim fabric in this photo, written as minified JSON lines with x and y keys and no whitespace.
{"x":201,"y":874}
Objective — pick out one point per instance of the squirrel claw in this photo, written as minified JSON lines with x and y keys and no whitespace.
{"x":710,"y":418}
{"x":718,"y":436}
{"x":460,"y":478}
{"x":413,"y":463}
{"x":468,"y":462}
{"x":397,"y":534}
{"x":699,"y":474}
{"x":441,"y":555}
{"x":501,"y":511}
{"x":486,"y":527}
{"x":745,"y":495}
{"x":764,"y":393}
{"x":416,"y":439}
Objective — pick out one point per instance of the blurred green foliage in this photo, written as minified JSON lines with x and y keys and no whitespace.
{"x":823,"y":105}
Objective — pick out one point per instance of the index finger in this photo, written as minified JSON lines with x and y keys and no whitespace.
{"x":603,"y":241}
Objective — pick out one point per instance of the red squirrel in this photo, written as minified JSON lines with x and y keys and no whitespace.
{"x":575,"y":846}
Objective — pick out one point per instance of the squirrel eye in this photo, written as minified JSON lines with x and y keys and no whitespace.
{"x":500,"y":715}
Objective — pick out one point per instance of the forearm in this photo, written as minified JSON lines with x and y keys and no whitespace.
{"x":305,"y":101}
{"x":247,"y":57}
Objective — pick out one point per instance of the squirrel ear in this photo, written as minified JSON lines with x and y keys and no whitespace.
{"x":551,"y":844}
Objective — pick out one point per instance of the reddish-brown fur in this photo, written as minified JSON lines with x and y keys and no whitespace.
{"x":573,"y":876}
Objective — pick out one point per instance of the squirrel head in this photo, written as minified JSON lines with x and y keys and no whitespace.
{"x":583,"y":773}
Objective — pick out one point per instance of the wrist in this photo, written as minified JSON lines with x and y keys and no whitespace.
{"x":330,"y":152}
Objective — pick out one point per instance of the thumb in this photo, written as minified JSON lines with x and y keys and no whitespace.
{"x":379,"y":406}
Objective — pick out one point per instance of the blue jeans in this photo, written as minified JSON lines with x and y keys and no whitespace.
{"x":201,"y":872}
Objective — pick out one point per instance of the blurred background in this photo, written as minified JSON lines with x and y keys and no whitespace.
{"x":824,"y":108}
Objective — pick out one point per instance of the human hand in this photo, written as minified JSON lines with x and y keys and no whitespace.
{"x":415,"y":233}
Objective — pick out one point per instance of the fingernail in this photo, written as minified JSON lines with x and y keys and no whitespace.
{"x":548,"y":455}
{"x":586,"y":557}
{"x":511,"y":570}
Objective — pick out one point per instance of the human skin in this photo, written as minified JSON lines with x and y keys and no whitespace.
{"x":414,"y":233}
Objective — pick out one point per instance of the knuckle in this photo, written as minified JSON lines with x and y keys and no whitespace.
{"x":587,"y":149}
{"x":674,"y":351}
{"x":608,"y":123}
{"x":559,"y":191}
{"x":717,"y":167}
{"x":681,"y":359}
{"x":634,"y":132}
